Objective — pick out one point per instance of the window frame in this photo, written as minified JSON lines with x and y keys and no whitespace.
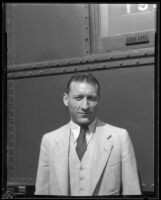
{"x":117,"y":42}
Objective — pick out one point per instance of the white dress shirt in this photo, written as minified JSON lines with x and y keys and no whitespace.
{"x":75,"y":129}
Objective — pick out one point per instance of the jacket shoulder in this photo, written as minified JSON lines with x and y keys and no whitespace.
{"x":55,"y":133}
{"x":114,"y":130}
{"x":110,"y":126}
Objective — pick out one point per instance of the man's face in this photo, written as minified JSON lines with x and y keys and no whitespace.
{"x":82,"y":102}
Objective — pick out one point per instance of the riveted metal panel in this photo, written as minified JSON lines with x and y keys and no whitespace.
{"x":127,"y":101}
{"x":77,"y":68}
{"x":94,"y":58}
{"x":93,"y":62}
{"x":44,"y":32}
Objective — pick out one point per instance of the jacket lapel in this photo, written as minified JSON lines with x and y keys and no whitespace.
{"x":102,"y":152}
{"x":61,"y":159}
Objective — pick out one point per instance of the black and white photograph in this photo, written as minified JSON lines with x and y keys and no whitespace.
{"x":80,"y":100}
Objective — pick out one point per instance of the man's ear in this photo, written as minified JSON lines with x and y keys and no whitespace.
{"x":65,"y":99}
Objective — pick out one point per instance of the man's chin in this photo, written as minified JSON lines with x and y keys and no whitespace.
{"x":84,"y":121}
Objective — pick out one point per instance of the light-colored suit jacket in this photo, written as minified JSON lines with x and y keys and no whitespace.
{"x":114,"y":163}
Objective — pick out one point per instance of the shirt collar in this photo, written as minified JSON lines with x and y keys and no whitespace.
{"x":76,"y":128}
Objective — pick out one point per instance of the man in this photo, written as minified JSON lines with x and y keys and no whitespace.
{"x":86,"y":156}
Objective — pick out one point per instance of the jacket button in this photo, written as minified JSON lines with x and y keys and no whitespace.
{"x":81,"y":168}
{"x":81,"y":178}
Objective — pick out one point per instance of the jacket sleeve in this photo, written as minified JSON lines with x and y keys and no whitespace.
{"x":130,"y":179}
{"x":42,"y":179}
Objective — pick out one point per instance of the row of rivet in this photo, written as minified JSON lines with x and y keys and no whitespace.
{"x":73,"y":62}
{"x":114,"y":64}
{"x":11,"y":129}
{"x":86,"y":30}
{"x":49,"y":72}
{"x":84,"y":60}
{"x":10,"y":34}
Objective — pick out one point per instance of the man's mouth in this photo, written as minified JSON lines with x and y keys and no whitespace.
{"x":84,"y":113}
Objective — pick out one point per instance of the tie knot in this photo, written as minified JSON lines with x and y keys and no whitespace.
{"x":83,"y":128}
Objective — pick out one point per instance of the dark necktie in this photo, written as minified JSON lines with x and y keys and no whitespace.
{"x":81,"y":142}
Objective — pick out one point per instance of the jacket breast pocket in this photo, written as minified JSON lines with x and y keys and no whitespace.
{"x":115,"y":163}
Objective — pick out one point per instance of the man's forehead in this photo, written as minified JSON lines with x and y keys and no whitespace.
{"x":81,"y":85}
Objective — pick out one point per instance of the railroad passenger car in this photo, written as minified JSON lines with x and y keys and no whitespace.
{"x":46,"y":44}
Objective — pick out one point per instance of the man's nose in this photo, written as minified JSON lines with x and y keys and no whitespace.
{"x":85,"y":104}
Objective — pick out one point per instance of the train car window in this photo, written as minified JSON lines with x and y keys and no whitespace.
{"x":122,"y":26}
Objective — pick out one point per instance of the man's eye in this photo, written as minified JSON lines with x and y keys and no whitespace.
{"x":92,"y":98}
{"x":78,"y":98}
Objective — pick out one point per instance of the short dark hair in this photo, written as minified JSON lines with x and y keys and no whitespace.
{"x":83,"y":77}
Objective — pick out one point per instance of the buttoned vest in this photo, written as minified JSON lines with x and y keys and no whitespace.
{"x":80,"y":171}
